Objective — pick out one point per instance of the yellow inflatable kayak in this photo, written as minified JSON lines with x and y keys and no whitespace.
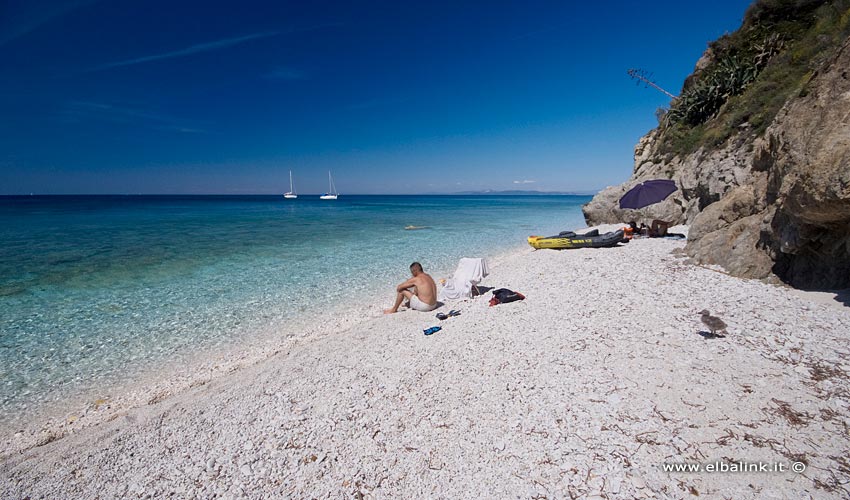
{"x":568,"y":240}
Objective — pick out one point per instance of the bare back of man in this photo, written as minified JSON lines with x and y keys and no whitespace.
{"x":420,"y":291}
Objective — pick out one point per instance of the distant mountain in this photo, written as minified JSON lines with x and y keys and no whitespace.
{"x":514,"y":192}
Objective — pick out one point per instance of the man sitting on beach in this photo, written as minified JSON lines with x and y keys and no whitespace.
{"x":420,"y":291}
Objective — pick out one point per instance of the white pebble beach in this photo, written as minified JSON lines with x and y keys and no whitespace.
{"x":585,"y":389}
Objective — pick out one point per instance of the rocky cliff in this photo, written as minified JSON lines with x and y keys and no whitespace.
{"x":769,"y":200}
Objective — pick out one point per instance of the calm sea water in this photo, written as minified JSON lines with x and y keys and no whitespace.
{"x":94,"y":290}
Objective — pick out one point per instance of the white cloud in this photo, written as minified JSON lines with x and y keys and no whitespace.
{"x":77,"y":110}
{"x":287,"y":74}
{"x":193,"y":49}
{"x":214,"y":45}
{"x":19,"y":19}
{"x":525,"y":182}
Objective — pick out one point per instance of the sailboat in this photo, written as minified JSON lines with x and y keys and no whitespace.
{"x":331,"y":194}
{"x":291,"y":195}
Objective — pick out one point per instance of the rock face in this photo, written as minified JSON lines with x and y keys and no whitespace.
{"x":703,"y":178}
{"x":806,"y":158}
{"x":774,"y":206}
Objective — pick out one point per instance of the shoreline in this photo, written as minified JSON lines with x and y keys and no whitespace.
{"x":168,"y":379}
{"x":585,"y":388}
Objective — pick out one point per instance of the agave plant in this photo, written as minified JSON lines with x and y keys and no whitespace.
{"x":729,"y":77}
{"x":703,"y":99}
{"x":766,"y":49}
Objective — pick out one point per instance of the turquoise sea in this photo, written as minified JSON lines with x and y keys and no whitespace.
{"x":95,"y":290}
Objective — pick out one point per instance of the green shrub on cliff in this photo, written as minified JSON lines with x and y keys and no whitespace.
{"x":753,"y":71}
{"x":703,"y":99}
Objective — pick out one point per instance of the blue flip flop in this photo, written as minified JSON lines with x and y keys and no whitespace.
{"x":432,"y":330}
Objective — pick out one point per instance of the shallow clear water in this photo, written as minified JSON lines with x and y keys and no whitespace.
{"x":95,"y":290}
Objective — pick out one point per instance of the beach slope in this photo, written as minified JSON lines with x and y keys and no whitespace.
{"x":588,"y":387}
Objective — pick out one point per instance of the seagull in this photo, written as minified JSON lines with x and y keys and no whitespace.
{"x":713,"y":323}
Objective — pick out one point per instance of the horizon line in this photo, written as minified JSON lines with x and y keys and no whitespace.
{"x":457,"y":193}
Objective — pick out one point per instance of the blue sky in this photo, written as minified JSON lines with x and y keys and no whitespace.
{"x":394,"y":97}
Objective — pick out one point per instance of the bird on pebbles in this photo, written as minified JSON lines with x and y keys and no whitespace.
{"x":713,"y":323}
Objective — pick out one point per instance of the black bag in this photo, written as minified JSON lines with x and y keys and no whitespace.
{"x":503,"y":296}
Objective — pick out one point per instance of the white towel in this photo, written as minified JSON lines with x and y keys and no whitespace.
{"x":469,"y":272}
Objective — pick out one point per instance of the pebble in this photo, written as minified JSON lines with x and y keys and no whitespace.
{"x":638,"y":482}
